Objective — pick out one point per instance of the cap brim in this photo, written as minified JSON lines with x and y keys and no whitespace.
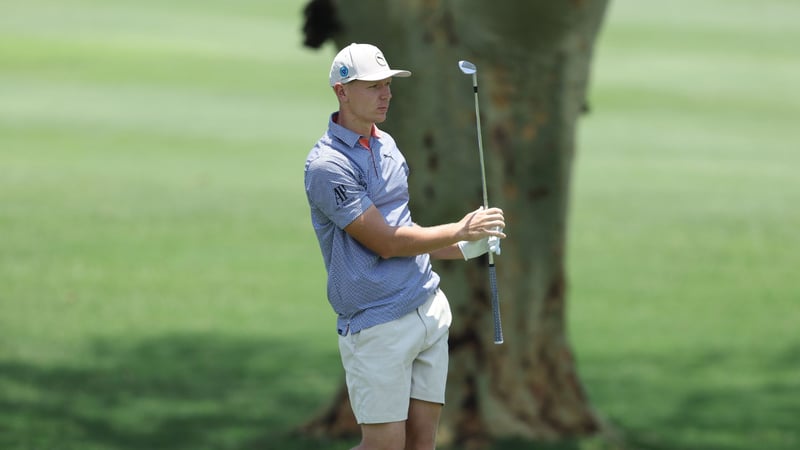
{"x":377,"y":76}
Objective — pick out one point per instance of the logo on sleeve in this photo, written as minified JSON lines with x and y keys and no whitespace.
{"x":340,"y":192}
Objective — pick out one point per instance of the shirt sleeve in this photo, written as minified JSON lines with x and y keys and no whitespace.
{"x":338,"y":190}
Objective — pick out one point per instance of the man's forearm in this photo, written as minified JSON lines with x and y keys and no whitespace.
{"x":416,"y":240}
{"x":449,"y":252}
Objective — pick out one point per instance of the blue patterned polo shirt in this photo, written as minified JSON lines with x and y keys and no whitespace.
{"x":342,"y":180}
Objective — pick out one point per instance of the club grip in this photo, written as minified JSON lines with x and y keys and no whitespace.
{"x":498,"y":326}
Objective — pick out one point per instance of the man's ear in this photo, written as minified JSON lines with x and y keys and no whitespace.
{"x":340,"y":91}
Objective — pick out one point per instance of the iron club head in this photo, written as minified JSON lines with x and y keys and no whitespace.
{"x":467,"y":67}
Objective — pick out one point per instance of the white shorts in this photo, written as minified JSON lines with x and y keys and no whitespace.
{"x":391,"y":363}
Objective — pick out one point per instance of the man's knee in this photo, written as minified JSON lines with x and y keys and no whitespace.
{"x":423,"y":422}
{"x":383,"y":436}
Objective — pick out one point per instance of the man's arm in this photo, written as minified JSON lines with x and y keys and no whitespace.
{"x":372,"y":231}
{"x":449,"y":252}
{"x":452,"y":251}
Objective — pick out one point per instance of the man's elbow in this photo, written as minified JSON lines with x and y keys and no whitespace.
{"x":388,"y":249}
{"x":387,"y":252}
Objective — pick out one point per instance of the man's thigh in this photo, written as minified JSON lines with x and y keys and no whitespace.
{"x":378,"y":366}
{"x":429,"y":370}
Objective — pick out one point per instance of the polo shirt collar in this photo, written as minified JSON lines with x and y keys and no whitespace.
{"x":349,"y":137}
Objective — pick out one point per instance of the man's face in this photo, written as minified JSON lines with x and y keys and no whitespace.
{"x":368,"y":100}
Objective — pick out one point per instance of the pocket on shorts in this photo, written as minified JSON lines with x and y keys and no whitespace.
{"x":439,"y":310}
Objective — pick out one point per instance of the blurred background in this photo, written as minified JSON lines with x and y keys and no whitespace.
{"x":161,"y":286}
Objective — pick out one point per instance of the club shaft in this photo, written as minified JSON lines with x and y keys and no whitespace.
{"x":480,"y":142}
{"x":498,"y":326}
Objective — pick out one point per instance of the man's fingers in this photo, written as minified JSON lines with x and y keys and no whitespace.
{"x":486,"y":222}
{"x":497,"y":232}
{"x":493,"y":222}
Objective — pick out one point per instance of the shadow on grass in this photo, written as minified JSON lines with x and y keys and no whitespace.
{"x":173,"y":392}
{"x":704,"y":401}
{"x":218,"y":392}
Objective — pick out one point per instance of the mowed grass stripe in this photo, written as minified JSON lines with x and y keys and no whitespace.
{"x":193,"y":112}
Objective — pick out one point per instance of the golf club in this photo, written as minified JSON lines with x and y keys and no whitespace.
{"x":469,"y":69}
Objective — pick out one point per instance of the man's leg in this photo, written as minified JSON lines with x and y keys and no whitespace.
{"x":423,"y":421}
{"x":417,"y":433}
{"x":429,"y":375}
{"x":377,"y":363}
{"x":383,"y":436}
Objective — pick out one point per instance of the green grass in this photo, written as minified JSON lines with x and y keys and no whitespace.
{"x":684,"y":243}
{"x":160,"y":286}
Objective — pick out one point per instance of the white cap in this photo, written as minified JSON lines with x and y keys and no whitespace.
{"x":362,"y":62}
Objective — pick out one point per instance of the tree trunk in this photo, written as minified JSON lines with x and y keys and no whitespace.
{"x":533,"y":59}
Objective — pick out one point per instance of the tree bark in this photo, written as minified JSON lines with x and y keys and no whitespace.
{"x":533,"y":59}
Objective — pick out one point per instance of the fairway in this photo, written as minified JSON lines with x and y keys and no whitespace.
{"x":161,"y":286}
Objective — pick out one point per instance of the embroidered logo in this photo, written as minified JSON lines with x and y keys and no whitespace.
{"x":380,"y":59}
{"x":340,"y":192}
{"x":343,"y":71}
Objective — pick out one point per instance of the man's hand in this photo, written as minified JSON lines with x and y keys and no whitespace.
{"x":487,"y":223}
{"x":483,"y":223}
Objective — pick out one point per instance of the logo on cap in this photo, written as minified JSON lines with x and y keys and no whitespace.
{"x":343,"y":71}
{"x":380,"y":59}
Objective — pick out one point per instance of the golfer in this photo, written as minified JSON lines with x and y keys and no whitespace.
{"x":393,"y":319}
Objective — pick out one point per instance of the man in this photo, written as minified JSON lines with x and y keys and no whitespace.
{"x":393,"y":319}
